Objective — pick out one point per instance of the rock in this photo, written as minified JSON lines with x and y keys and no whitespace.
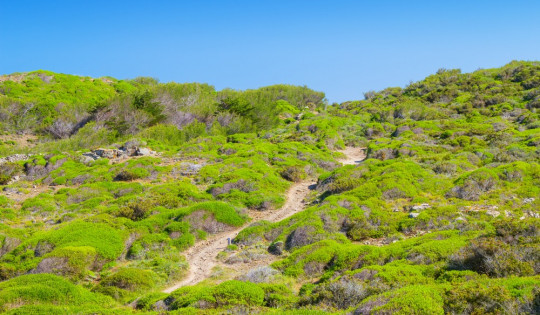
{"x":276,"y":248}
{"x":80,"y":179}
{"x":14,"y":179}
{"x":489,"y":209}
{"x":54,"y":265}
{"x":128,"y":149}
{"x":10,"y":190}
{"x":461,"y":219}
{"x":144,"y":152}
{"x":493,"y":213}
{"x":133,"y":144}
{"x":188,"y":169}
{"x":528,"y":200}
{"x":89,"y":156}
{"x":476,"y":208}
{"x":420,"y":207}
{"x":414,"y":215}
{"x":106,"y":153}
{"x":131,"y":148}
{"x":532,"y":214}
{"x":15,"y":158}
{"x":160,"y":306}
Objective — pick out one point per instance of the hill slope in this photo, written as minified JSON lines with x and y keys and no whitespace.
{"x":107,"y":185}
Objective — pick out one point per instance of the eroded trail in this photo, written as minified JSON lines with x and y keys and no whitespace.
{"x":353,"y":155}
{"x":202,"y":257}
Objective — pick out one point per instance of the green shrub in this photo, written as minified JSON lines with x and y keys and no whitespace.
{"x":46,"y":289}
{"x":8,"y":171}
{"x":79,"y":259}
{"x":132,"y":174}
{"x":221,"y":211}
{"x":120,"y":284}
{"x":293,"y":173}
{"x":136,"y":210}
{"x":107,"y":241}
{"x":235,"y":292}
{"x":413,"y":299}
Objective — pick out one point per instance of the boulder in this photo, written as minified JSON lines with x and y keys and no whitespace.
{"x":413,"y":215}
{"x":88,"y":158}
{"x":160,"y":306}
{"x":54,"y":265}
{"x":106,"y":153}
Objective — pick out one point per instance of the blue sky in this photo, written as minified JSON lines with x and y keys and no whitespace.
{"x":343,"y":48}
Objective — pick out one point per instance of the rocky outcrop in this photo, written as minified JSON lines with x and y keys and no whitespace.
{"x":15,"y":158}
{"x":488,"y":209}
{"x":129,"y":149}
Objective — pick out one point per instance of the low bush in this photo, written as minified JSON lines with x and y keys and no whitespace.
{"x":235,"y":292}
{"x":46,"y":289}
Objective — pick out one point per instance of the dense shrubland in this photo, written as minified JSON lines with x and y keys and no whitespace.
{"x":442,"y":217}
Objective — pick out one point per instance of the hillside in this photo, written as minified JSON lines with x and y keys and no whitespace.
{"x":118,"y":196}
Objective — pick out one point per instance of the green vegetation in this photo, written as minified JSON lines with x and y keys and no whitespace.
{"x":441,"y":217}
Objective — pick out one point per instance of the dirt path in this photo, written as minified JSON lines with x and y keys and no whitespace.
{"x":353,"y":155}
{"x":202,"y":256}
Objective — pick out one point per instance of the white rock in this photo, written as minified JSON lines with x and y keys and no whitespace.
{"x":144,"y":152}
{"x":533,"y":214}
{"x":86,"y":159}
{"x":413,"y":215}
{"x":420,"y":207}
{"x":493,"y":213}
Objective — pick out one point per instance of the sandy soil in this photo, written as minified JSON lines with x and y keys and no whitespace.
{"x":202,"y":256}
{"x":353,"y":155}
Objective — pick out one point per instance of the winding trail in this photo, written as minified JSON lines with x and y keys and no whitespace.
{"x":202,"y":256}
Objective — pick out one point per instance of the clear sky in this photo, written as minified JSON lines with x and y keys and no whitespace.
{"x":343,"y":48}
